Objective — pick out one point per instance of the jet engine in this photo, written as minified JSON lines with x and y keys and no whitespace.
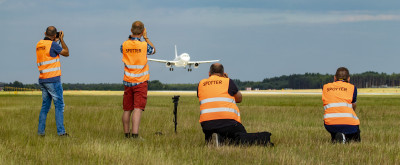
{"x":168,"y":64}
{"x":196,"y":65}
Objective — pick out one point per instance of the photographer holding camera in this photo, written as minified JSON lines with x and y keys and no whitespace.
{"x":48,"y":62}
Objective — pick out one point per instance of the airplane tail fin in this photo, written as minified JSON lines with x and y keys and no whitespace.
{"x":176,"y":53}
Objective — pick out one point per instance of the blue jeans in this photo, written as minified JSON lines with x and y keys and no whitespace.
{"x":52,"y":91}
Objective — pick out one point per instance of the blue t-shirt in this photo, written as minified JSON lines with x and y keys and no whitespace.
{"x":150,"y":51}
{"x":55,"y":50}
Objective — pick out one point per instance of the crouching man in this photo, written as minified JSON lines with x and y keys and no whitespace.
{"x":219,"y":115}
{"x":339,"y":99}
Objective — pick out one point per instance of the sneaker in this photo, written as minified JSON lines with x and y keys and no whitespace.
{"x":64,"y":135}
{"x":215,"y":140}
{"x":340,"y":138}
{"x":137,"y":137}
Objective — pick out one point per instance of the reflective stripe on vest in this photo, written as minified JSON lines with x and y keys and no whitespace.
{"x":48,"y":62}
{"x":49,"y":70}
{"x":338,"y":105}
{"x":330,"y":115}
{"x":136,"y":75}
{"x":211,"y":110}
{"x":217,"y":99}
{"x":135,"y":66}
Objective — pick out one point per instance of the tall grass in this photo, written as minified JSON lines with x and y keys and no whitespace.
{"x":94,"y":123}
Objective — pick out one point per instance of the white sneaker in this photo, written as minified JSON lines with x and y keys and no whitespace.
{"x":340,"y":138}
{"x":215,"y":140}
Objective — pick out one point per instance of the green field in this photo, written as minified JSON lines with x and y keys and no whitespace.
{"x":94,"y":123}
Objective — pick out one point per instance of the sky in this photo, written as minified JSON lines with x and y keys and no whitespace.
{"x":254,"y":39}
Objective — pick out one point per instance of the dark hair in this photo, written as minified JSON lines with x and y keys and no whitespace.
{"x":137,"y":28}
{"x":217,"y":68}
{"x":342,"y":73}
{"x":51,"y":31}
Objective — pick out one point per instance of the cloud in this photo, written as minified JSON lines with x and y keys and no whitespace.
{"x":362,"y":18}
{"x":222,"y":17}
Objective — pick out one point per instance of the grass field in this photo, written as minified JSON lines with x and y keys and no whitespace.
{"x":94,"y":123}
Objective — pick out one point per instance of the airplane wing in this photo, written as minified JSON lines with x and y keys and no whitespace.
{"x":200,"y":62}
{"x":167,"y":63}
{"x":162,"y":61}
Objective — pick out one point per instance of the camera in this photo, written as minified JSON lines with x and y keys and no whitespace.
{"x":58,"y":34}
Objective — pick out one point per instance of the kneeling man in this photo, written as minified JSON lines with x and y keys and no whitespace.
{"x":219,"y":115}
{"x":339,"y":99}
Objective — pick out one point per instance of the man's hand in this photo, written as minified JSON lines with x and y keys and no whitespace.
{"x":61,"y":35}
{"x":226,"y":75}
{"x":144,"y":33}
{"x":64,"y":51}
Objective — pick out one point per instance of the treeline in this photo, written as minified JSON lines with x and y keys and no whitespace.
{"x":316,"y":80}
{"x":294,"y":81}
{"x":152,"y":85}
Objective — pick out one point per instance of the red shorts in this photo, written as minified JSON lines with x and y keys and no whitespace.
{"x":135,"y":97}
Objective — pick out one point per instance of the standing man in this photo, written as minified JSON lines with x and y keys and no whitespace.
{"x":219,"y":115}
{"x":136,"y":74}
{"x":339,"y":99}
{"x":48,"y":62}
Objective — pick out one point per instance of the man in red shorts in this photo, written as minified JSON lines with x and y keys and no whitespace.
{"x":134,"y":55}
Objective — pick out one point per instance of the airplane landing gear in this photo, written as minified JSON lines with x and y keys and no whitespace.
{"x":171,"y":69}
{"x":190,"y":69}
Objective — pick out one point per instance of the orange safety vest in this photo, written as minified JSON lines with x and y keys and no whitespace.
{"x":337,"y":98}
{"x":215,"y":101}
{"x":48,"y":66}
{"x":134,"y":56}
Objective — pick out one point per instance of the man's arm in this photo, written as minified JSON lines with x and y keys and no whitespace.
{"x":233,"y":90}
{"x":354,"y":101}
{"x":148,"y":40}
{"x":65,"y":51}
{"x":238,"y":97}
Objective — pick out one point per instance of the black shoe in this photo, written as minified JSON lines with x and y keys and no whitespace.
{"x":127,"y":135}
{"x":269,"y":144}
{"x":340,"y":138}
{"x":64,"y":135}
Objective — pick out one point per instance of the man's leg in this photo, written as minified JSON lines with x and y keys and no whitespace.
{"x":45,"y":109}
{"x":126,"y":116}
{"x":139,"y":104}
{"x":241,"y":136}
{"x":332,"y":136}
{"x":230,"y":133}
{"x":137,"y":114}
{"x":59,"y":105}
{"x":127,"y":103}
{"x":207,"y":135}
{"x":354,"y":137}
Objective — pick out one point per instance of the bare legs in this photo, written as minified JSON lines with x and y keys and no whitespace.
{"x":137,"y":113}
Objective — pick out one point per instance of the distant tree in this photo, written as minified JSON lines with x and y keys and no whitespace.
{"x":16,"y":84}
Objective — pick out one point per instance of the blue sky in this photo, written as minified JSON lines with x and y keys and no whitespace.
{"x":254,"y":39}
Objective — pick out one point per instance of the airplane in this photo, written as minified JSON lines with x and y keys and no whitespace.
{"x":182,"y":60}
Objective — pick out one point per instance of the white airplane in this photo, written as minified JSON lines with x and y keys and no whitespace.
{"x":182,"y":60}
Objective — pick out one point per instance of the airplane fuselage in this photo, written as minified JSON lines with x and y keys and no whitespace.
{"x":182,"y":60}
